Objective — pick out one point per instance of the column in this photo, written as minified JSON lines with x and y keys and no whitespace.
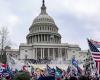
{"x":35,"y":38}
{"x":41,"y":53}
{"x":36,"y":53}
{"x":38,"y":38}
{"x":53,"y":54}
{"x":44,"y":37}
{"x":33,"y":53}
{"x":41,"y":38}
{"x":65,"y":54}
{"x":47,"y":38}
{"x":32,"y":39}
{"x":48,"y":54}
{"x":29,"y":40}
{"x":60,"y":53}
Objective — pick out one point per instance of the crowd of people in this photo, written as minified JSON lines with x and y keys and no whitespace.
{"x":30,"y":72}
{"x":45,"y":74}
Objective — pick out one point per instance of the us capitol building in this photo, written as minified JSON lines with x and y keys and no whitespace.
{"x":44,"y":42}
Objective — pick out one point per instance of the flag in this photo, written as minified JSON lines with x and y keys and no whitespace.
{"x":9,"y":70}
{"x":95,"y":54}
{"x":95,"y":43}
{"x":51,"y":71}
{"x":68,"y":69}
{"x":58,"y":72}
{"x":74,"y":62}
{"x":1,"y":70}
{"x":74,"y":71}
{"x":79,"y":70}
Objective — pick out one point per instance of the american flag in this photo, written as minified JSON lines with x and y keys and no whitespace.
{"x":51,"y":71}
{"x":96,"y":43}
{"x":95,"y":53}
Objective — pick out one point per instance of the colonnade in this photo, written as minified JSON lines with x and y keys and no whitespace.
{"x":43,"y":38}
{"x":50,"y":53}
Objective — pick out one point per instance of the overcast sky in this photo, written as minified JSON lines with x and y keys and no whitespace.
{"x":76,"y":19}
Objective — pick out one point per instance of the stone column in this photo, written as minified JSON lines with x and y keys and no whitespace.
{"x":53,"y":54}
{"x":32,"y":39}
{"x":36,"y":53}
{"x":33,"y":53}
{"x":47,"y":38}
{"x":48,"y":54}
{"x":60,"y":53}
{"x":66,"y":54}
{"x":44,"y":37}
{"x":41,"y":38}
{"x":41,"y":53}
{"x":38,"y":38}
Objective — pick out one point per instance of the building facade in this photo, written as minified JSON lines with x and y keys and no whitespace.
{"x":44,"y":41}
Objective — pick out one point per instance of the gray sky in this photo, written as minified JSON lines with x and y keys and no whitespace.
{"x":76,"y":19}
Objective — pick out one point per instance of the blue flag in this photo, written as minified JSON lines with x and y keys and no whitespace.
{"x":74,"y":61}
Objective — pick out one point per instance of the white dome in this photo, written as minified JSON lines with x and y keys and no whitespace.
{"x":43,"y":29}
{"x":43,"y":18}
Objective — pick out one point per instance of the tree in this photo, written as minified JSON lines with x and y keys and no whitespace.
{"x":3,"y":43}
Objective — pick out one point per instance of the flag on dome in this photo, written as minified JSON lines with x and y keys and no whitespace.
{"x":95,"y":53}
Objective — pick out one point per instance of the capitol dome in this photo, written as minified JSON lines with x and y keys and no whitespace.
{"x":43,"y":29}
{"x":43,"y":18}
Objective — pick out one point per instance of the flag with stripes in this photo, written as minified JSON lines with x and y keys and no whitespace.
{"x":95,"y":54}
{"x":96,"y":43}
{"x":51,"y":71}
